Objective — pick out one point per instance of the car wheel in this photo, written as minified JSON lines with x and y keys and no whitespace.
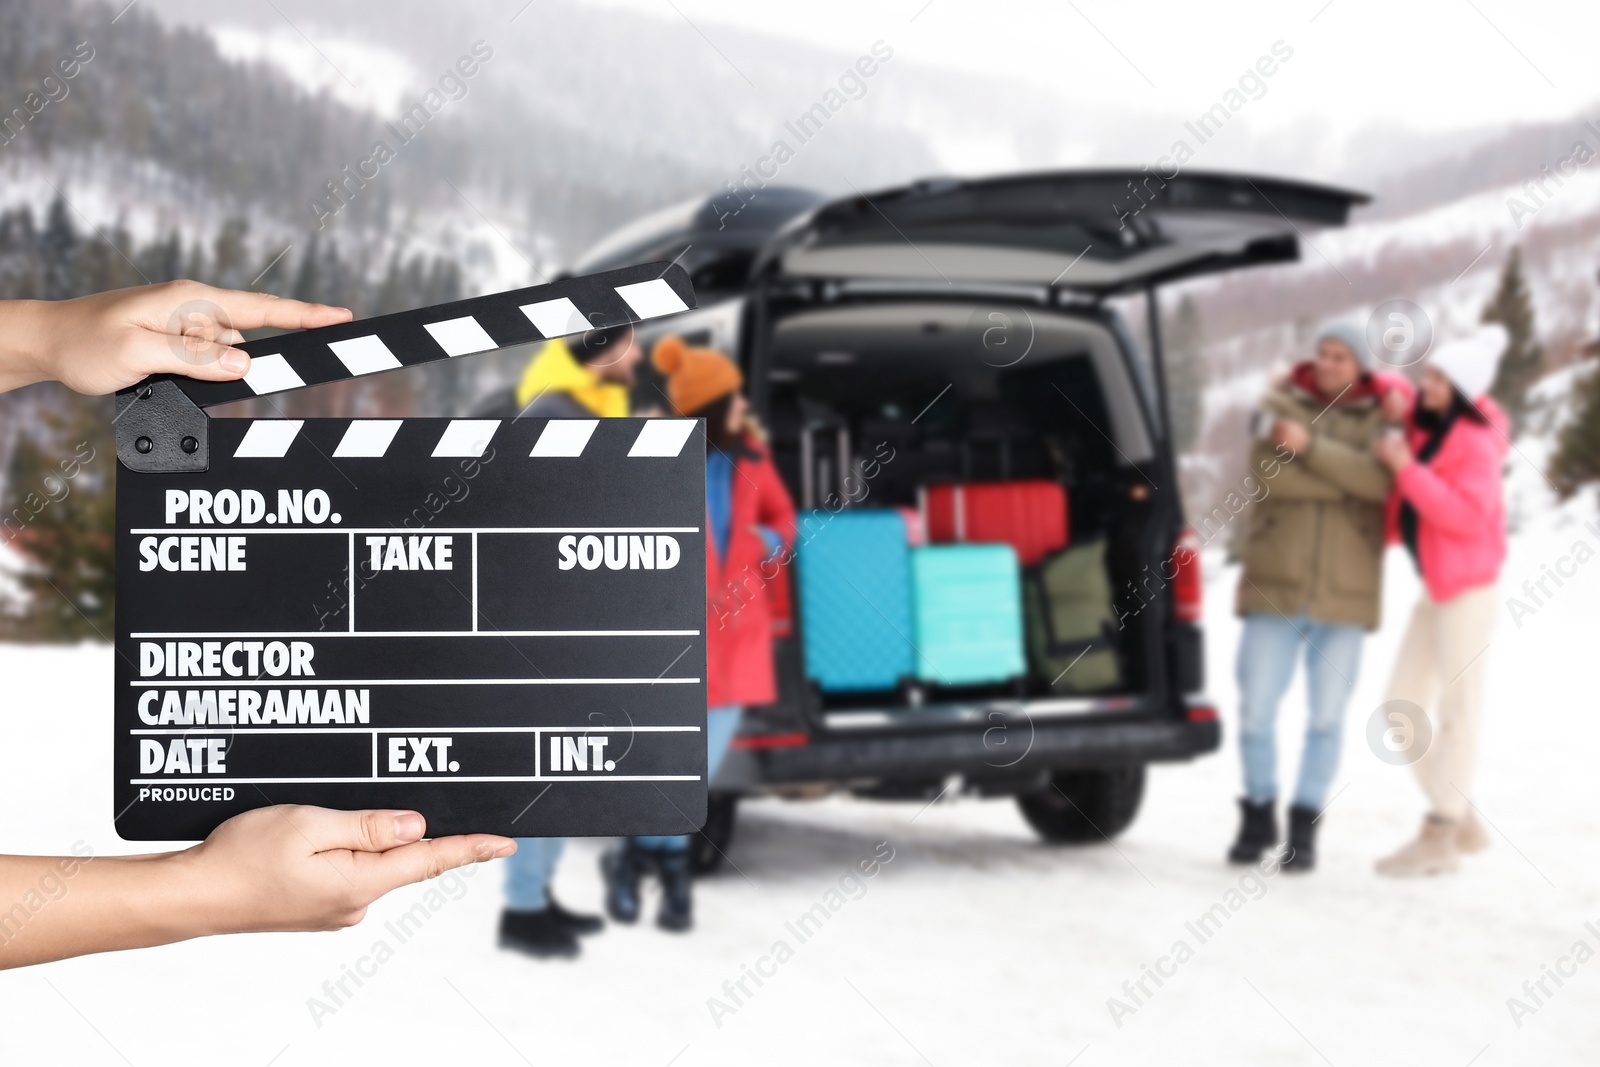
{"x":1082,"y":807}
{"x":706,"y":848}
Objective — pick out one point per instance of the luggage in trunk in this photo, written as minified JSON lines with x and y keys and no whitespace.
{"x":855,"y":600}
{"x":1030,"y":515}
{"x":967,"y":602}
{"x":1072,"y":622}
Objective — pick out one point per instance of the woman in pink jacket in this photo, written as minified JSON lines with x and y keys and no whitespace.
{"x":1448,"y":509}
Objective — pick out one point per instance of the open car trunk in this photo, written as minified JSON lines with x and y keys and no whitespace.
{"x":952,"y":333}
{"x":869,"y":405}
{"x":957,"y":333}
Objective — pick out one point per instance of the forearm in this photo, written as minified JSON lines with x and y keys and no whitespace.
{"x":1293,"y":480}
{"x":1358,"y":473}
{"x":60,"y":906}
{"x":22,"y":359}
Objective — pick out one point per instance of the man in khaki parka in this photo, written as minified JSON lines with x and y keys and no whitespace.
{"x":1312,"y":554}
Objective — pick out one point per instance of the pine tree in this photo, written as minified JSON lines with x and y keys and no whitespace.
{"x":337,"y":283}
{"x":124,"y":272}
{"x":1186,"y":375}
{"x":444,"y":282}
{"x":229,"y":254}
{"x":1577,"y":456}
{"x":58,"y":252}
{"x":59,"y":514}
{"x":308,"y":279}
{"x":20,"y":275}
{"x":163,"y":260}
{"x":1523,"y":361}
{"x":391,"y":291}
{"x":94,"y":268}
{"x":195,"y":267}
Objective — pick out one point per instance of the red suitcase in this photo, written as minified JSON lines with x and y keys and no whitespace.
{"x":1030,"y":516}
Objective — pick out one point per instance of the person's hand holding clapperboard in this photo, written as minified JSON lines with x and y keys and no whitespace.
{"x":289,"y":867}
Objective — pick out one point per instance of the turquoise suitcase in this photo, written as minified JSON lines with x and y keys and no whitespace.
{"x":855,"y":600}
{"x":967,"y":614}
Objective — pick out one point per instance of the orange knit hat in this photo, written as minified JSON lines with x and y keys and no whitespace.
{"x":695,"y":376}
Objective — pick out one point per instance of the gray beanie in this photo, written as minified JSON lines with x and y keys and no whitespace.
{"x":1352,"y":335}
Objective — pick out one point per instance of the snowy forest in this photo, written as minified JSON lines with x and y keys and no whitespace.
{"x":59,"y":482}
{"x":167,"y":158}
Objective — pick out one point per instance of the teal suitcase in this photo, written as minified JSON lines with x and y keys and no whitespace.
{"x":855,"y":600}
{"x":967,"y":614}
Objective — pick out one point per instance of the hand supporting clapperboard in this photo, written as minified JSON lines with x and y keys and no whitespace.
{"x":462,"y":673}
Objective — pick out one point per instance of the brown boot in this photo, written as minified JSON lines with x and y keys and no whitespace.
{"x":1433,"y":852}
{"x":1470,"y":834}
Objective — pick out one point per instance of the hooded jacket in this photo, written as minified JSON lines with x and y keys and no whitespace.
{"x":1460,"y":502}
{"x":556,"y":385}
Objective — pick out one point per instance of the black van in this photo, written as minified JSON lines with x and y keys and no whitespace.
{"x":964,"y":328}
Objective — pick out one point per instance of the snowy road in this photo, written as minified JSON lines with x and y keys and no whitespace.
{"x":972,"y":945}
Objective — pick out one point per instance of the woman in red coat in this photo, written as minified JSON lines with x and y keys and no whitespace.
{"x":749,"y":521}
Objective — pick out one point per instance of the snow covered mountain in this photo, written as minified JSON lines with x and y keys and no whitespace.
{"x":1446,"y":259}
{"x":579,"y":118}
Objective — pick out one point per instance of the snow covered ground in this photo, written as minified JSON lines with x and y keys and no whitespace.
{"x":974,"y":944}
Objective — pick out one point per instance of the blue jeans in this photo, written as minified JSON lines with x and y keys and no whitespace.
{"x":721,"y":725}
{"x":529,"y":870}
{"x":1267,"y":651}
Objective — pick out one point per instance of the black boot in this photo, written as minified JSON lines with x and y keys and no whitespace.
{"x":536,"y":933}
{"x":621,"y":867}
{"x":1301,"y":853}
{"x":575,"y":922}
{"x":1258,"y":831}
{"x":677,"y":892}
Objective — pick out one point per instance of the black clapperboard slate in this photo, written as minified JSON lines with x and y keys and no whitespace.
{"x":498,"y":623}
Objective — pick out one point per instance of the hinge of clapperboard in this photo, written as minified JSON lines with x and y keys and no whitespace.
{"x":162,"y":427}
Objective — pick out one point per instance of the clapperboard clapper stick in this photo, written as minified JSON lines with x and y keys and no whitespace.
{"x":498,"y":623}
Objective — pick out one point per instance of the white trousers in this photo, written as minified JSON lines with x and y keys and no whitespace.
{"x":1442,"y":659}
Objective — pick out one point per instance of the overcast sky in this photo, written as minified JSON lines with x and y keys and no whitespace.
{"x":1433,"y":66}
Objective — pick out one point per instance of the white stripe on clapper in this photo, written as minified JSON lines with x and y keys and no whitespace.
{"x":652,"y":298}
{"x":461,"y":337}
{"x":268,"y":439}
{"x":466,"y":437}
{"x":564,"y":437}
{"x":271,"y":374}
{"x":367,"y":438}
{"x":662,"y":437}
{"x":556,"y":318}
{"x":364,"y":355}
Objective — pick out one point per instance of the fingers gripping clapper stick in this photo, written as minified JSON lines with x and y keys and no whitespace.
{"x":451,"y":616}
{"x":160,"y":426}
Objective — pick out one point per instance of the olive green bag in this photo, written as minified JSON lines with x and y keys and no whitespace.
{"x":1071,"y":623}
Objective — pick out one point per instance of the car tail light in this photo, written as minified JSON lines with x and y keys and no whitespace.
{"x":1201,"y":713}
{"x":761,"y":741}
{"x":1187,"y":588}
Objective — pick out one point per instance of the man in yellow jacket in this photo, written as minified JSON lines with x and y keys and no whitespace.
{"x":588,"y":377}
{"x":572,"y":378}
{"x":582,"y":378}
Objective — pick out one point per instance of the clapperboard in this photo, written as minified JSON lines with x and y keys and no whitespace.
{"x":499,"y":623}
